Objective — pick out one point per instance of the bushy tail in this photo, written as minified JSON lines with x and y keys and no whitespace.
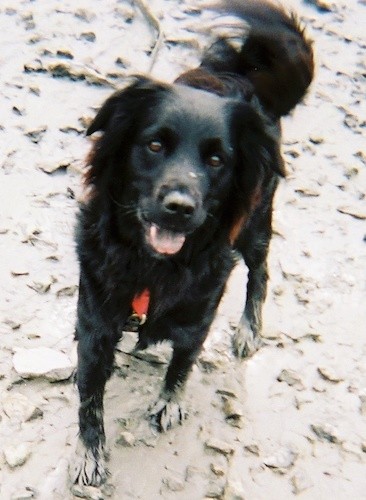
{"x":275,"y":60}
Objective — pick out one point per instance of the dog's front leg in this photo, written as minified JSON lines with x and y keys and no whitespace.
{"x":95,"y":361}
{"x":168,"y":411}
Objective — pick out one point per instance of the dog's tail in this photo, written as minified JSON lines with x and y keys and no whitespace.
{"x":274,"y":60}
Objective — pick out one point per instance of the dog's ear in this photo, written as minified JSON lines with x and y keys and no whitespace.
{"x":104,"y":114}
{"x":123,"y":101}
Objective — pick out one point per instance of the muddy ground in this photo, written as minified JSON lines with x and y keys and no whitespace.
{"x":290,"y":421}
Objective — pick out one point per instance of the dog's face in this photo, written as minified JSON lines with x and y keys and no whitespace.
{"x":180,"y":149}
{"x":182,"y":162}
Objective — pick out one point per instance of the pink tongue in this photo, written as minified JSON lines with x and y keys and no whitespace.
{"x":163,"y":241}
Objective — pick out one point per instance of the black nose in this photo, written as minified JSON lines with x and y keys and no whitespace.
{"x":177,"y":203}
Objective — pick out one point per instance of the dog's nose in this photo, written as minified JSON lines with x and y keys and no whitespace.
{"x":177,"y":203}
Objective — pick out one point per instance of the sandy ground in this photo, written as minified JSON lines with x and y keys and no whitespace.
{"x":288,"y":422}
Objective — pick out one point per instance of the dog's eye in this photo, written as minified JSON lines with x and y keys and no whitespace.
{"x":155,"y":146}
{"x":214,"y":161}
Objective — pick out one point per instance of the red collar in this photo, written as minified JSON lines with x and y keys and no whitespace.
{"x":140,"y":305}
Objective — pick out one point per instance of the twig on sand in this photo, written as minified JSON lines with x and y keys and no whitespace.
{"x":154,"y":22}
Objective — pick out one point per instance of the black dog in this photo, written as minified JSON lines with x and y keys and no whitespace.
{"x":180,"y":176}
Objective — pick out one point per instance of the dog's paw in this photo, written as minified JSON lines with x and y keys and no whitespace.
{"x":89,"y":467}
{"x":245,"y":343}
{"x":165,"y":414}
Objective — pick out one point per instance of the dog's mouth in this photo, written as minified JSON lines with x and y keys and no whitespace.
{"x":164,"y":241}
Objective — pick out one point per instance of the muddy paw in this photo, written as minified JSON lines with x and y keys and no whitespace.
{"x":245,"y":343}
{"x":89,"y":467}
{"x":165,"y":414}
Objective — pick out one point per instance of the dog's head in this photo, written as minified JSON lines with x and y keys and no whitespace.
{"x":175,"y":159}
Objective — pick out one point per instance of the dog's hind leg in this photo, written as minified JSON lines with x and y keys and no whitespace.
{"x":253,"y":244}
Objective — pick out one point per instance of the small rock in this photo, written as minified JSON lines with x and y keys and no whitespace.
{"x":362,"y":397}
{"x":67,"y":291}
{"x":42,"y":362}
{"x":361,"y":155}
{"x":219,"y":466}
{"x":214,"y":490}
{"x":356,"y":213}
{"x":321,"y":5}
{"x":88,"y":492}
{"x":36,"y":134}
{"x":219,"y":446}
{"x":65,"y":53}
{"x":35,"y":66}
{"x":19,"y":408}
{"x":330,"y":375}
{"x":316,"y":139}
{"x":229,"y":388}
{"x":33,"y":89}
{"x":353,"y":122}
{"x":307,"y":192}
{"x":71,"y":129}
{"x":51,"y":167}
{"x":210,"y":361}
{"x":149,"y":441}
{"x":14,"y":325}
{"x":19,"y":272}
{"x":320,"y":387}
{"x":24,"y":494}
{"x":158,"y":354}
{"x":301,"y":400}
{"x":326,"y":432}
{"x":126,"y":12}
{"x":41,"y":287}
{"x":78,"y":168}
{"x":89,"y":36}
{"x":234,"y":489}
{"x":351,"y":172}
{"x":85,"y":121}
{"x":18,"y":111}
{"x":301,"y":482}
{"x":17,"y":455}
{"x":30,"y":233}
{"x":173,"y":483}
{"x":283,"y":459}
{"x":126,"y":439}
{"x":233,"y":412}
{"x":85,"y":15}
{"x":363,"y":446}
{"x":252,"y":448}
{"x":128,"y":342}
{"x":119,"y":61}
{"x":292,"y":379}
{"x":63,"y":70}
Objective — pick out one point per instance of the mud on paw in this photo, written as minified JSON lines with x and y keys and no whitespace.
{"x":245,"y":342}
{"x":89,"y":467}
{"x":166,"y":414}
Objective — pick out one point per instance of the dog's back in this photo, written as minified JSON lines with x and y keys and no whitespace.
{"x":274,"y":62}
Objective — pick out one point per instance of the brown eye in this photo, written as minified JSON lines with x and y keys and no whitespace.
{"x":215,"y":161}
{"x":155,"y":146}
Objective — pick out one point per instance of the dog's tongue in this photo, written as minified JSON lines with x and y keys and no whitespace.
{"x":163,"y":241}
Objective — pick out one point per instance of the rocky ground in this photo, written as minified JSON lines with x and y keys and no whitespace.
{"x":288,"y":422}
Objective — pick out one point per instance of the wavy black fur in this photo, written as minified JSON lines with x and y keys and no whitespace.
{"x":198,"y":159}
